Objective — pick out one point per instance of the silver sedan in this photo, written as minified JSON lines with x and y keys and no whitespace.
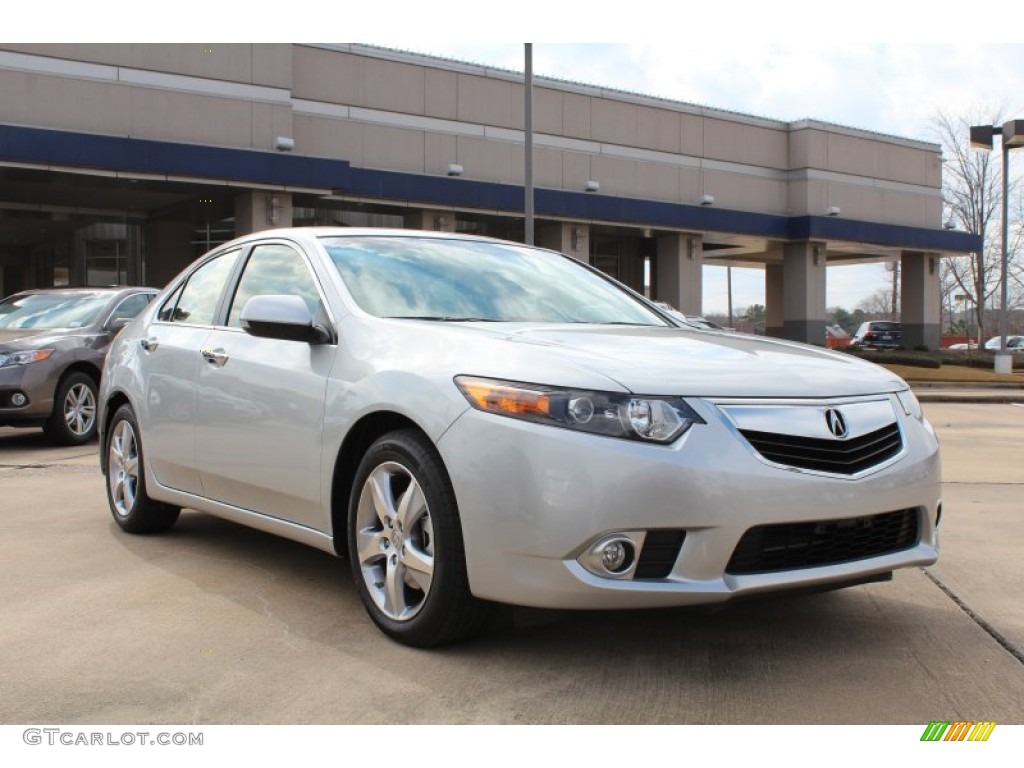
{"x":472,"y":422}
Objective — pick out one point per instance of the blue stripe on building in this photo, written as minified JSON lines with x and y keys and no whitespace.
{"x":127,"y":155}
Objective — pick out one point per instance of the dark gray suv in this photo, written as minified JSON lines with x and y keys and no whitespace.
{"x":52,"y":346}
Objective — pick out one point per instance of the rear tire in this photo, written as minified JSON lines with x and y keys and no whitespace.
{"x":405,"y":545}
{"x":73,"y":421}
{"x":130,"y":505}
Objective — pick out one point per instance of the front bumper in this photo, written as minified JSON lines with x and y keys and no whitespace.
{"x":37,"y":382}
{"x":533,"y":499}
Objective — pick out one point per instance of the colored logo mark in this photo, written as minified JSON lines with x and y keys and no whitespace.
{"x":958,"y":730}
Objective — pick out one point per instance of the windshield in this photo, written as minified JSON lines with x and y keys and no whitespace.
{"x":439,"y":279}
{"x":49,"y":311}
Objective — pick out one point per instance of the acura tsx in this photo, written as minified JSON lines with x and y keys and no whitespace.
{"x":472,"y":422}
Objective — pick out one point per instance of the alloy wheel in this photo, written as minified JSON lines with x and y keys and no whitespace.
{"x":80,"y":409}
{"x":395,"y":541}
{"x":123,"y":468}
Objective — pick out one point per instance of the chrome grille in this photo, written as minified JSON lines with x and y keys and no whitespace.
{"x":784,"y":547}
{"x":842,"y":457}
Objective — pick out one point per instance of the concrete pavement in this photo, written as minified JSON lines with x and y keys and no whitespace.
{"x":215,"y":623}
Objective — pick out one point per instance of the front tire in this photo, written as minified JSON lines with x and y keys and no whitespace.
{"x":130,"y":505}
{"x":406,"y":548}
{"x":73,"y":421}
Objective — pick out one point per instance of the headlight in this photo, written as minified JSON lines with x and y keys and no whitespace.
{"x":910,"y":404}
{"x":24,"y":358}
{"x":632,"y":417}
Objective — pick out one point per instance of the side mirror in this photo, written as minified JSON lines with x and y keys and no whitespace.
{"x":115,"y":325}
{"x":281,"y":317}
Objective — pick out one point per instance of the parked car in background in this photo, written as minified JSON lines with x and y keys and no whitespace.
{"x":878,"y":334}
{"x":52,"y":345}
{"x":1013,"y":344}
{"x":473,"y":421}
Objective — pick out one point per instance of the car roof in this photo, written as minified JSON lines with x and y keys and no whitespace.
{"x":308,"y":234}
{"x":107,"y":290}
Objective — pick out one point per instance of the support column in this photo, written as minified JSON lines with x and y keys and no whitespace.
{"x":570,"y":239}
{"x":169,"y":250}
{"x":680,"y":272}
{"x":256,"y":211}
{"x":803,"y":302}
{"x":431,"y":221}
{"x":774,"y":300}
{"x":920,"y":296}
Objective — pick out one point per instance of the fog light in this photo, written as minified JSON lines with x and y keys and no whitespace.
{"x":611,"y":557}
{"x":18,"y":399}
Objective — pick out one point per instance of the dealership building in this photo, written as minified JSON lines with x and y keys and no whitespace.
{"x":121,"y":163}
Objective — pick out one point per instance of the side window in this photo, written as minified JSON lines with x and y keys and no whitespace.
{"x":197,"y":301}
{"x":131,"y":306}
{"x":274,"y":269}
{"x":167,"y":310}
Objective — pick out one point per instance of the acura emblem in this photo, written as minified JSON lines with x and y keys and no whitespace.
{"x":836,"y":423}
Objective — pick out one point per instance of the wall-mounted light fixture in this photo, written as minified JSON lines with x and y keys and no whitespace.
{"x":931,"y":265}
{"x":833,"y":211}
{"x":950,"y":224}
{"x":816,"y":252}
{"x":439,"y":223}
{"x":592,"y":186}
{"x":707,"y":199}
{"x":574,"y":238}
{"x":691,"y":248}
{"x":284,"y":144}
{"x":454,"y":169}
{"x":273,"y":209}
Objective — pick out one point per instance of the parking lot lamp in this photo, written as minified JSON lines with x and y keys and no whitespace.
{"x":1012,"y":133}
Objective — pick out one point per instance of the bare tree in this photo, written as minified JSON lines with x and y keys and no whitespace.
{"x":878,"y":305}
{"x":971,"y":196}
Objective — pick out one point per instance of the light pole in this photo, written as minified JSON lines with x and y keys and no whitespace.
{"x":528,"y":146}
{"x":1012,"y":133}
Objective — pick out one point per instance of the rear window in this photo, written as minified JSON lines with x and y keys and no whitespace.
{"x":885,"y":326}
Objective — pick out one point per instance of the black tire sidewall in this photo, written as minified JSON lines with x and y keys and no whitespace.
{"x":56,"y":427}
{"x":415,"y":453}
{"x":146,"y":515}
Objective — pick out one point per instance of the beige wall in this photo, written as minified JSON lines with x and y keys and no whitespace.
{"x":403,"y":112}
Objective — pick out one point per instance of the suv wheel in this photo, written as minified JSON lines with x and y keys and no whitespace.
{"x":405,"y":545}
{"x":73,"y":421}
{"x":130,"y":505}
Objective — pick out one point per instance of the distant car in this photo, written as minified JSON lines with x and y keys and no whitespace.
{"x":878,"y":334}
{"x":1013,"y":344}
{"x":476,"y":421}
{"x":963,"y":345}
{"x":52,"y":346}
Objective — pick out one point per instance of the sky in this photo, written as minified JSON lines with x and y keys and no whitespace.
{"x":888,"y":66}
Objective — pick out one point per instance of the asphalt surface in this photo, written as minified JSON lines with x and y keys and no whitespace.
{"x":214,"y":623}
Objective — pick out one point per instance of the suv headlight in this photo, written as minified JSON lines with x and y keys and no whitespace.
{"x":24,"y":358}
{"x":631,"y":417}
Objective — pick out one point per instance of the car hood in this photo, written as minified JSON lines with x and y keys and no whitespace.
{"x":672,"y":361}
{"x":23,"y":338}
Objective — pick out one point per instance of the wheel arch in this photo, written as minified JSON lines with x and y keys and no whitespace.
{"x":358,"y":440}
{"x":114,"y":401}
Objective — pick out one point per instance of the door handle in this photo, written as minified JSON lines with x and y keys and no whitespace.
{"x":150,"y":344}
{"x":215,"y":356}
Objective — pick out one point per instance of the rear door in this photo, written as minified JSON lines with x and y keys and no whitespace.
{"x":169,"y":357}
